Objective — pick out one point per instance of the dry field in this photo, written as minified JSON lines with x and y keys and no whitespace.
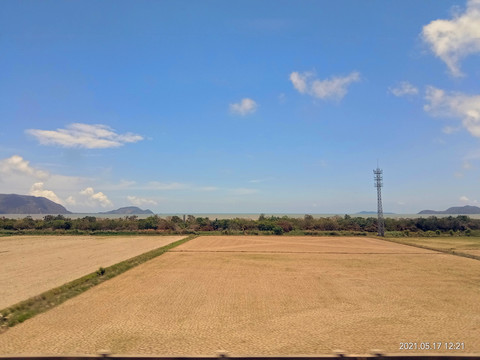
{"x":468,"y":245}
{"x":267,"y":296}
{"x":30,"y":265}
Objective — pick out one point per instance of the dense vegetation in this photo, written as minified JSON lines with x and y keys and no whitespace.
{"x":308,"y":225}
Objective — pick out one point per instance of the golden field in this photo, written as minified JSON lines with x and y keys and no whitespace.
{"x":30,"y":265}
{"x":464,"y":244}
{"x":267,"y":296}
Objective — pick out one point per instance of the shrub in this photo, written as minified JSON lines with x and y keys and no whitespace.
{"x":277,"y":230}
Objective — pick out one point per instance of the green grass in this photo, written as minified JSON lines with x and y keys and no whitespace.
{"x":27,"y":309}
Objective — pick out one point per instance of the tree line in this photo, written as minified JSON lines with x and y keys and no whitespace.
{"x":308,"y":225}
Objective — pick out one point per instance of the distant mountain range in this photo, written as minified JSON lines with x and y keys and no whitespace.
{"x":455,"y":210}
{"x":128,"y":210}
{"x":25,"y":204}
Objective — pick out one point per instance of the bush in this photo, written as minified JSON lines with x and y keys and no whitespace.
{"x":101,"y":271}
{"x":277,"y":230}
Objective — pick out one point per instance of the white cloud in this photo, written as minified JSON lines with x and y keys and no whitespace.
{"x":17,"y":176}
{"x":38,"y":190}
{"x":404,"y":88}
{"x":467,"y":200}
{"x":16,"y":165}
{"x":244,"y":107}
{"x":299,"y":81}
{"x":71,"y":201}
{"x":453,"y":40}
{"x":334,"y":88}
{"x":84,"y":136}
{"x":94,"y":199}
{"x":455,"y":105}
{"x":141,"y":201}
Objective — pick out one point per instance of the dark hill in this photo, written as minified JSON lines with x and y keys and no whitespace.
{"x":455,"y":210}
{"x":128,"y":210}
{"x":26,"y":204}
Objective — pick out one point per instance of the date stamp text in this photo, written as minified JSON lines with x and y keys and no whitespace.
{"x":432,"y":345}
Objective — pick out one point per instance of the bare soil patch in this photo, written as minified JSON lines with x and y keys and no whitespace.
{"x":30,"y":265}
{"x":267,"y":303}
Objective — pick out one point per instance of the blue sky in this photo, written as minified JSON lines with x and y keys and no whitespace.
{"x":241,"y":106}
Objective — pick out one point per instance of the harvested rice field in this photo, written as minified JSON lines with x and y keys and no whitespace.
{"x":464,"y":244}
{"x":30,"y":265}
{"x":268,"y":296}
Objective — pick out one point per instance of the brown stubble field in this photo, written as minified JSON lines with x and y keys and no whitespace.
{"x":463,"y":244}
{"x":267,"y":296}
{"x":30,"y":265}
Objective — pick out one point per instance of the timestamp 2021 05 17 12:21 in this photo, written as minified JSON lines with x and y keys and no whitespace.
{"x":432,"y":345}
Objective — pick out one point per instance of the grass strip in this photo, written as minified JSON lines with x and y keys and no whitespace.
{"x":27,"y":309}
{"x":445,"y":251}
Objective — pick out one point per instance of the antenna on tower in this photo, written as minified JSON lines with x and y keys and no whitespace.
{"x":378,"y":177}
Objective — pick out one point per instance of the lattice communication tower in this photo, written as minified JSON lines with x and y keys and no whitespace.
{"x":378,"y":177}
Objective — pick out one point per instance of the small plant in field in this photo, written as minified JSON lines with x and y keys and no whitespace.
{"x":101,"y":271}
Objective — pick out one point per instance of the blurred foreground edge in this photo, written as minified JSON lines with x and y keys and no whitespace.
{"x":223,"y":355}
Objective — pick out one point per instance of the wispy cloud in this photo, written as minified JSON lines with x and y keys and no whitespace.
{"x":455,"y":105}
{"x":141,"y":201}
{"x":403,"y":88}
{"x":449,"y":130}
{"x":244,"y":107}
{"x":207,"y":188}
{"x":466,"y":165}
{"x":256,"y":181}
{"x":465,"y":199}
{"x":156,"y":185}
{"x":453,"y":40}
{"x":84,"y":136}
{"x":334,"y":88}
{"x":38,"y":190}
